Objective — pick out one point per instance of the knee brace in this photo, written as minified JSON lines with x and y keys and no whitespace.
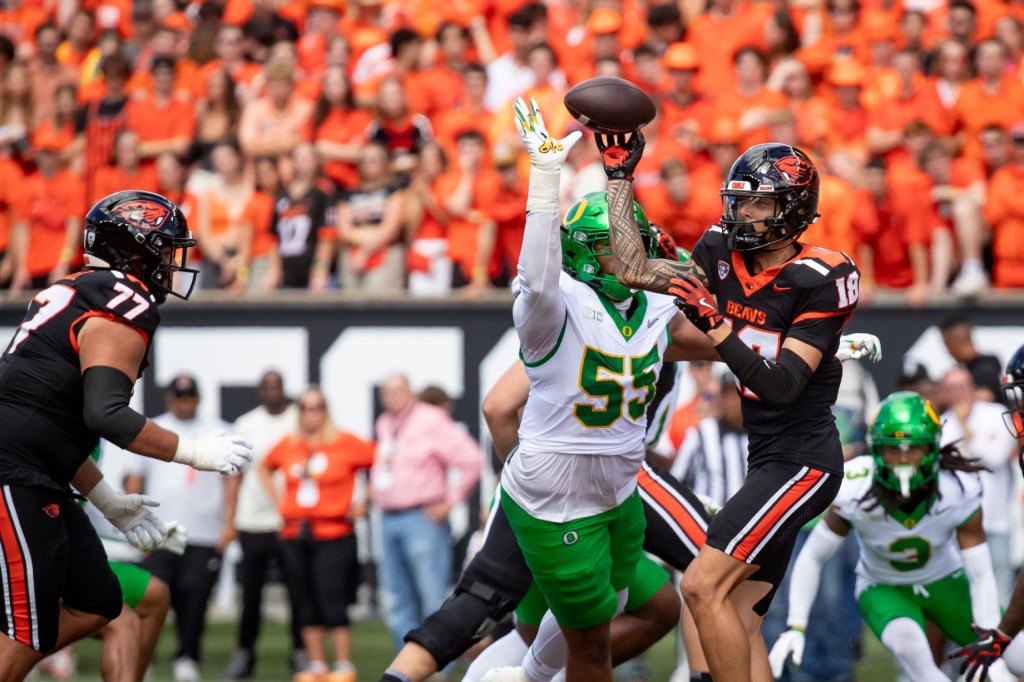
{"x":470,"y":614}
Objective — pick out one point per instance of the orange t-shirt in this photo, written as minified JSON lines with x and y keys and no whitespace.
{"x":890,"y":228}
{"x":46,"y":204}
{"x":716,"y":39}
{"x":896,"y":112}
{"x":20,"y":24}
{"x":319,"y":482}
{"x":443,"y":89}
{"x":110,"y":179}
{"x":977,"y":109}
{"x":509,"y":212}
{"x":680,"y":121}
{"x":343,"y":127}
{"x":1004,"y":211}
{"x":156,"y":123}
{"x":734,"y":105}
{"x":462,"y":233}
{"x":836,"y":229}
{"x":457,"y":119}
{"x":686,"y":220}
{"x":260,"y":213}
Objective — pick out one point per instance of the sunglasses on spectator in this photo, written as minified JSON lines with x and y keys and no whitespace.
{"x":316,"y":407}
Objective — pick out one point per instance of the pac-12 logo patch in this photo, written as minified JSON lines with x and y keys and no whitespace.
{"x":52,"y":510}
{"x":142,"y":213}
{"x":723,"y":269}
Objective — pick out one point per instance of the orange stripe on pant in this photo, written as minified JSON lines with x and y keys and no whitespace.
{"x":783,"y":505}
{"x":676,"y":510}
{"x":17,"y":576}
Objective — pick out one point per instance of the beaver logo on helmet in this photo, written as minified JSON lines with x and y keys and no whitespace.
{"x":142,"y":213}
{"x":794,"y":170}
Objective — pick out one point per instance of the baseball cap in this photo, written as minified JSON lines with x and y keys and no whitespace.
{"x":47,"y":139}
{"x":682,"y":57}
{"x":723,"y":131}
{"x":183,"y":385}
{"x":846,"y":72}
{"x":604,"y":21}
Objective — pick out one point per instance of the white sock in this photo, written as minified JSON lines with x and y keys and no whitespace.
{"x":507,"y":651}
{"x":971,"y":265}
{"x":548,"y":654}
{"x":907,"y":641}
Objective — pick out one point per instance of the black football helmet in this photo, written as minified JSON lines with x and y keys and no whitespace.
{"x":1013,"y":389}
{"x":142,"y":234}
{"x":780,"y":172}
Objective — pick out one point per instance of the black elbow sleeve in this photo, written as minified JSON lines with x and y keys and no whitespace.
{"x":106,"y":393}
{"x":777,"y":384}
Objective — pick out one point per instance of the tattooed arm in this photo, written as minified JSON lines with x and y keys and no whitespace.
{"x":632,"y":266}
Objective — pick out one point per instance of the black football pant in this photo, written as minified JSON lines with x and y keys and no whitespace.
{"x":191,"y":577}
{"x":260,"y":551}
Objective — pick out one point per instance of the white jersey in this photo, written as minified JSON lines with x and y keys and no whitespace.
{"x":589,"y":394}
{"x":901,"y":549}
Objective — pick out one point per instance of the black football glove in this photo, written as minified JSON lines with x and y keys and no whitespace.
{"x":621,"y":156}
{"x":696,"y":302}
{"x":667,"y":247}
{"x":983,"y":653}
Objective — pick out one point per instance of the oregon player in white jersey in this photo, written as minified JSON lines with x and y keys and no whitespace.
{"x":916,"y":512}
{"x":593,"y":349}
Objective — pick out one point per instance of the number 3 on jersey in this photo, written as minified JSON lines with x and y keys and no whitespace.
{"x":603,"y":376}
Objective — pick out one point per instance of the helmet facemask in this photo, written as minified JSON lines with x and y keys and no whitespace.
{"x":905,"y":420}
{"x":585,"y":236}
{"x":783,"y":222}
{"x":1013,"y":391}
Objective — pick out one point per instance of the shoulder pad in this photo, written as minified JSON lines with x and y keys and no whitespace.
{"x":959,"y":485}
{"x":817,"y":265}
{"x":120,"y":296}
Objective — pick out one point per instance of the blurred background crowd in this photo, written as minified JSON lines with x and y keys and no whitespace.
{"x":369,"y":145}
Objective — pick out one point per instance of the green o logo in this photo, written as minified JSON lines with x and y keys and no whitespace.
{"x":627,"y":331}
{"x":571,"y":538}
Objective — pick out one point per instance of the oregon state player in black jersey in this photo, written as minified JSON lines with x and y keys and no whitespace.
{"x":781,"y":306}
{"x":65,"y":381}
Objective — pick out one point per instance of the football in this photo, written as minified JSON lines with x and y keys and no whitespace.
{"x":610,"y":105}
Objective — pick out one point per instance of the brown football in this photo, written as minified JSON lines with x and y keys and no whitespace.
{"x":610,"y":105}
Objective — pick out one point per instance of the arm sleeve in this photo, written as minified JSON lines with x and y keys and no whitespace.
{"x":821,"y":544}
{"x":106,"y":392}
{"x":539,"y":311}
{"x":982,"y":581}
{"x":777,"y":384}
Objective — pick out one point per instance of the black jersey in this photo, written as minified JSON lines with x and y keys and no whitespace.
{"x":297,"y":224}
{"x":810,"y":297}
{"x":45,"y":439}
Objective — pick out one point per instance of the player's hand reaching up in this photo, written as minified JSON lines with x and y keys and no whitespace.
{"x":131,"y":514}
{"x":546,"y":153}
{"x":620,"y":154}
{"x":857,"y":346}
{"x":215,"y":452}
{"x":790,"y":642}
{"x":980,"y":655}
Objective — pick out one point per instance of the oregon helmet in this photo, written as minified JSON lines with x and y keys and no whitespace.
{"x":781,"y":173}
{"x":904,"y":419}
{"x":142,"y":234}
{"x":585,"y":228}
{"x":1013,"y":389}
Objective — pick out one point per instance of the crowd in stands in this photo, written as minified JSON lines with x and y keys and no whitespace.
{"x":369,"y":144}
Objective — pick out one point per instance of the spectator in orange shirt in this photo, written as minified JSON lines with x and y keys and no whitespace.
{"x":894,"y":252}
{"x":231,"y":57}
{"x":842,"y":36}
{"x":47,"y":74}
{"x":847,"y":120}
{"x":957,"y":191}
{"x":163,"y":122}
{"x":371,"y":255}
{"x":468,"y":112}
{"x":914,"y":34}
{"x":400,"y":130}
{"x":467,"y":192}
{"x":1010,"y":32}
{"x":1004,"y":211}
{"x":262,"y":273}
{"x":339,"y":128}
{"x":953,"y":69}
{"x":680,"y":210}
{"x":318,"y":464}
{"x":648,"y":72}
{"x":125,"y":171}
{"x":171,"y":175}
{"x":750,"y":102}
{"x":217,"y":116}
{"x":914,"y":101}
{"x":962,"y":21}
{"x":47,"y":231}
{"x":80,"y":34}
{"x":992,"y":98}
{"x":444,"y":80}
{"x":718,"y":35}
{"x":11,"y":177}
{"x":509,"y":214}
{"x":274,"y":124}
{"x":430,"y":269}
{"x":666,"y":24}
{"x":221,"y":229}
{"x":811,"y":111}
{"x":686,"y":114}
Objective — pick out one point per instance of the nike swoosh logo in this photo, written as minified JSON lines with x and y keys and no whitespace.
{"x":651,"y":323}
{"x":776,"y":287}
{"x":704,"y":302}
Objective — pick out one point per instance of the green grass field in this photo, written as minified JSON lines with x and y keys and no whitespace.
{"x":372,"y":653}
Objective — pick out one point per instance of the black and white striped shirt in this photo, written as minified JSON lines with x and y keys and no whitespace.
{"x":712,"y":461}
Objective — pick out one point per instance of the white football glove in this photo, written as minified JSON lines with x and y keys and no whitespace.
{"x":131,"y":514}
{"x":546,"y":153}
{"x":790,"y":642}
{"x":857,"y":346}
{"x":215,"y":452}
{"x":177,"y":538}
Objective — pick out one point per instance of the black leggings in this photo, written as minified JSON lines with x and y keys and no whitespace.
{"x":259,"y":552}
{"x":321,"y":577}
